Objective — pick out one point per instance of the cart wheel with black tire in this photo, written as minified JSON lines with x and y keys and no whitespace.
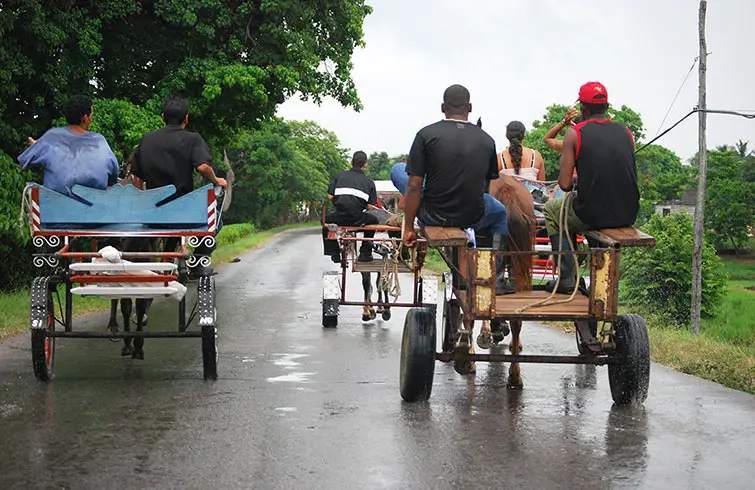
{"x":330,"y":313}
{"x":629,"y":374}
{"x":208,"y":324}
{"x":418,"y":354}
{"x":42,"y":319}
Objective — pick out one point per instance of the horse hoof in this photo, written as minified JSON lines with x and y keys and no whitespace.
{"x":386,"y":315}
{"x":138,"y":354}
{"x":515,"y":383}
{"x":465,"y":367}
{"x":373,"y":315}
{"x":484,"y":341}
{"x":497,"y":337}
{"x":365,"y":318}
{"x":127,"y":351}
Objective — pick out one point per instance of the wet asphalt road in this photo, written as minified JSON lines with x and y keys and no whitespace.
{"x":300,"y":407}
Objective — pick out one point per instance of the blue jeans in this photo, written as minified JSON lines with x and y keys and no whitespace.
{"x":494,"y":218}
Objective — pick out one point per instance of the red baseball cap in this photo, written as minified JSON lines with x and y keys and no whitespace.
{"x":593,"y":93}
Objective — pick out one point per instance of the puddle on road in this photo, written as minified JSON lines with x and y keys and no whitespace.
{"x":286,"y":409}
{"x":291,"y":378}
{"x":288,"y":361}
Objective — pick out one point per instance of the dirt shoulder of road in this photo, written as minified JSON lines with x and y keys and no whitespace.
{"x":15,"y":306}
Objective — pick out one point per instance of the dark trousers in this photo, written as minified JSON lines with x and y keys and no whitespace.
{"x":330,"y":247}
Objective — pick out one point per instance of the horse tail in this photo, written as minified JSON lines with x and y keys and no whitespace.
{"x":521,"y":236}
{"x":520,"y":211}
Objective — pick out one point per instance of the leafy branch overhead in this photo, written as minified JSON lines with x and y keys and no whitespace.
{"x":235,"y":60}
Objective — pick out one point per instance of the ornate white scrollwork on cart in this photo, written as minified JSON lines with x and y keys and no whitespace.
{"x":205,"y":241}
{"x":198,"y":260}
{"x":45,"y":260}
{"x":40,"y":241}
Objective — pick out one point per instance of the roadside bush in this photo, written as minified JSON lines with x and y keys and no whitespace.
{"x":661,"y":278}
{"x":16,"y":269}
{"x":232,"y":233}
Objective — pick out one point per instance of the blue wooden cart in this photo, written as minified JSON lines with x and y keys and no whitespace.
{"x":58,"y":222}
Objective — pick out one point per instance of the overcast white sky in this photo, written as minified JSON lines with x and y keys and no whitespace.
{"x":518,"y":57}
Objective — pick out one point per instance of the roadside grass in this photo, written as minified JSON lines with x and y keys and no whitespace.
{"x":706,"y":357}
{"x":739,"y":269}
{"x":226,"y":253}
{"x":434,"y":262}
{"x":735,"y":318}
{"x":15,"y":306}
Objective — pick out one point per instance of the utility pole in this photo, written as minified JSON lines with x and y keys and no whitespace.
{"x":702,"y":156}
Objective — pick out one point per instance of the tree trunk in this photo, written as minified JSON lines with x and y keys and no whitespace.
{"x":697,"y":250}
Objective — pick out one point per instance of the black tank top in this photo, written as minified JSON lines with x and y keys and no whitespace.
{"x":607,"y":192}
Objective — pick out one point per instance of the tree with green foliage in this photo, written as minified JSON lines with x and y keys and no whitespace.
{"x":235,"y":60}
{"x":123,"y":124}
{"x":730,"y":200}
{"x":379,"y":166}
{"x":279,"y":168}
{"x":660,"y":278}
{"x":15,"y":247}
{"x":661,"y":174}
{"x":321,"y":145}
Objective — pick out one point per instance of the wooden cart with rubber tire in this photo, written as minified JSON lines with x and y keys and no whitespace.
{"x":61,"y":225}
{"x":604,"y":337}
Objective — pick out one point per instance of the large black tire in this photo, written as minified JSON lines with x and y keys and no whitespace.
{"x":330,"y":313}
{"x":42,"y":345}
{"x":629,"y":375}
{"x":209,"y":352}
{"x":208,"y":325}
{"x":418,"y":354}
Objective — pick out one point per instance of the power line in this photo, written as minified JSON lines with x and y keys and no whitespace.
{"x":694,"y":62}
{"x":693,"y":111}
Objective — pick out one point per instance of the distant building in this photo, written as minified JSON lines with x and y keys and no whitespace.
{"x":684,"y":205}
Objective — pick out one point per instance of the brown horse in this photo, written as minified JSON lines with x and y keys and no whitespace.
{"x":520,"y":211}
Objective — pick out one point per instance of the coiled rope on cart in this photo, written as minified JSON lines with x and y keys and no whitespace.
{"x":25,"y":207}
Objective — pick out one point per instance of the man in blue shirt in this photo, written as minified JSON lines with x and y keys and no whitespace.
{"x":72,"y":154}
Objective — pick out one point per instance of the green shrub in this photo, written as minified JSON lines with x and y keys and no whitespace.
{"x":16,"y":269}
{"x":232,"y":233}
{"x":661,"y":278}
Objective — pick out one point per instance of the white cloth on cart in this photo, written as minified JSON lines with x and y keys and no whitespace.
{"x":111,"y":255}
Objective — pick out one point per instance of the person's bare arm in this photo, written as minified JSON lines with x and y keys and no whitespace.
{"x":540,"y":164}
{"x":568,"y":160}
{"x":208,"y":173}
{"x":550,"y":137}
{"x":411,"y":205}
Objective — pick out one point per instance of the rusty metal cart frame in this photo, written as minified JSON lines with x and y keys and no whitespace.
{"x":603,"y":336}
{"x":424,"y":287}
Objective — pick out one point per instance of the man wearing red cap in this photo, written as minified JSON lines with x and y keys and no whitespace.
{"x":607,"y":196}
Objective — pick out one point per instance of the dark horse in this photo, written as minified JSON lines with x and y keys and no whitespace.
{"x":136,"y":351}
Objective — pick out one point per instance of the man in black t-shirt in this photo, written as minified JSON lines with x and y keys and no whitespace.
{"x":352,"y":194}
{"x":602,"y":151}
{"x":171,"y":154}
{"x":446,"y":179}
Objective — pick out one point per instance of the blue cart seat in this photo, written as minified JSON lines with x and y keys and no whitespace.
{"x":124,"y":209}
